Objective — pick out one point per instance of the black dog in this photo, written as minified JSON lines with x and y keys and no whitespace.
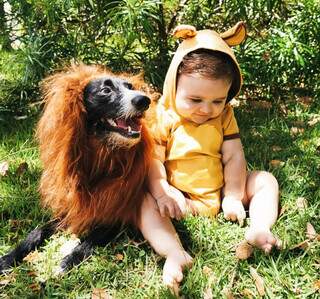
{"x":95,"y":149}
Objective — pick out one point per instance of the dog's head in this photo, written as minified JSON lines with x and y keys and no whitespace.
{"x":114,"y":110}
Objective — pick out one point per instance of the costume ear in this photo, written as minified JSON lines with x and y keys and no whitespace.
{"x":235,"y":35}
{"x":184,"y":31}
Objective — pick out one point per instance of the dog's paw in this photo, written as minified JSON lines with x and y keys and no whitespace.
{"x":6,"y":262}
{"x":79,"y":253}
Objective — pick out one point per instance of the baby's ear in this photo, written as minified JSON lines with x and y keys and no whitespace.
{"x":235,"y":35}
{"x":184,"y":31}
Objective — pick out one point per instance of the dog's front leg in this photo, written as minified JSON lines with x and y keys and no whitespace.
{"x":33,"y":240}
{"x":99,"y":236}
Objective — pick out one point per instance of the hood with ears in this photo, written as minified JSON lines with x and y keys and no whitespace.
{"x":203,"y":39}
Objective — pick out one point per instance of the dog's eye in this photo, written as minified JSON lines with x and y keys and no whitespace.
{"x":128,"y":85}
{"x":106,"y":89}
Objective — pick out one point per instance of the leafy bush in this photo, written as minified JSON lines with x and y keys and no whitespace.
{"x":281,"y":51}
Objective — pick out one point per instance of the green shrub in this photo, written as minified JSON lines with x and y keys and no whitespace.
{"x":281,"y":51}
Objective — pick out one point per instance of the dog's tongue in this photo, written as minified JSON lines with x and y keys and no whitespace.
{"x":124,"y":124}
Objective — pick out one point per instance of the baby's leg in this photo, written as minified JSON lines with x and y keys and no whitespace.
{"x":262,"y":197}
{"x":163,"y":238}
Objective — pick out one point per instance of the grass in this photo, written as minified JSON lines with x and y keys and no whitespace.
{"x":128,"y":268}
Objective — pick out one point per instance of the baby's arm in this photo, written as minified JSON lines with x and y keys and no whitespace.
{"x":234,"y":180}
{"x":170,"y":200}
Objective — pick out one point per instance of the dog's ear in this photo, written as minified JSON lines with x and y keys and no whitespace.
{"x":184,"y":31}
{"x":61,"y":130}
{"x":235,"y":35}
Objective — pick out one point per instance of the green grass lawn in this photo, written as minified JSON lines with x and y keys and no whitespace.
{"x":283,"y":139}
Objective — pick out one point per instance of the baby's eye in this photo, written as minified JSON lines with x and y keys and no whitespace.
{"x":195,"y":100}
{"x":217,"y":102}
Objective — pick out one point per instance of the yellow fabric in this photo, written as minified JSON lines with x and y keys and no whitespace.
{"x":193,"y":157}
{"x":193,"y":152}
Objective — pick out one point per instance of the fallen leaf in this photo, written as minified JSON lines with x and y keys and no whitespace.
{"x":7,"y":279}
{"x":301,"y":203}
{"x":32,"y":257}
{"x":248,"y":293}
{"x":260,"y":104}
{"x":32,"y":274}
{"x":306,"y":101}
{"x":227,"y":292}
{"x":35,"y":287}
{"x":244,"y":250}
{"x":22,"y":168}
{"x":206,"y":270}
{"x":297,"y":290}
{"x":4,"y":167}
{"x":276,"y":148}
{"x":314,"y":120}
{"x":258,"y":281}
{"x":298,"y":123}
{"x":284,"y":109}
{"x":98,"y":293}
{"x":302,"y":245}
{"x":311,"y":232}
{"x":207,"y":294}
{"x":276,"y":163}
{"x":316,"y":285}
{"x":119,"y":257}
{"x":283,"y":209}
{"x":296,"y":130}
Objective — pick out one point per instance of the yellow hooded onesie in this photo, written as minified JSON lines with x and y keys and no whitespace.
{"x":193,"y":152}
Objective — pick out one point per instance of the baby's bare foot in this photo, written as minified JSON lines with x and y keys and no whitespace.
{"x":262,"y":238}
{"x":173,"y":269}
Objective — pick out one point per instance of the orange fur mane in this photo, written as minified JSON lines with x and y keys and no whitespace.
{"x":84,"y":181}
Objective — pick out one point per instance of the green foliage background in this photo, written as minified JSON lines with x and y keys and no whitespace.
{"x":281,"y":52}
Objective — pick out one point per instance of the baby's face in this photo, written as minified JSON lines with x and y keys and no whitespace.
{"x":200,"y":99}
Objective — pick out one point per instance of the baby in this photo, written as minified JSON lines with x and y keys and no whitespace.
{"x":200,"y":160}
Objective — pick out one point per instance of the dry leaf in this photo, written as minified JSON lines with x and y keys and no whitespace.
{"x":260,"y":104}
{"x":248,"y":293}
{"x":298,"y":123}
{"x":98,"y":293}
{"x":22,"y":168}
{"x":206,"y":270}
{"x":258,"y":281}
{"x":276,"y":148}
{"x":311,"y":232}
{"x":314,"y":120}
{"x":32,"y":274}
{"x":35,"y":287}
{"x":244,"y":250}
{"x":316,"y":285}
{"x":227,"y":292}
{"x":284,"y":109}
{"x":32,"y":257}
{"x":306,"y":101}
{"x":276,"y":163}
{"x":302,"y":245}
{"x":301,"y":203}
{"x":119,"y":257}
{"x":207,"y":294}
{"x":4,"y":168}
{"x":296,"y":130}
{"x":7,"y":279}
{"x":283,"y":209}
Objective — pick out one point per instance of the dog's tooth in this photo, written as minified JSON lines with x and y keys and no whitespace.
{"x":129,"y":129}
{"x":112,"y":122}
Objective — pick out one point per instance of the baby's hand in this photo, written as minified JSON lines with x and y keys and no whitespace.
{"x":172,"y":203}
{"x":233,"y":209}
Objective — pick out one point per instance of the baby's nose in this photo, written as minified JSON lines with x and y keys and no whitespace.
{"x":206,"y":108}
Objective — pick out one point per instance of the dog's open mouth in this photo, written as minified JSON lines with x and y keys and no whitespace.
{"x":127,"y":127}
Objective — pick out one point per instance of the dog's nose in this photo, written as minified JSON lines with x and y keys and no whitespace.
{"x":141,"y":102}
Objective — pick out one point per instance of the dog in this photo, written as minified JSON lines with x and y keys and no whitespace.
{"x":95,"y":149}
